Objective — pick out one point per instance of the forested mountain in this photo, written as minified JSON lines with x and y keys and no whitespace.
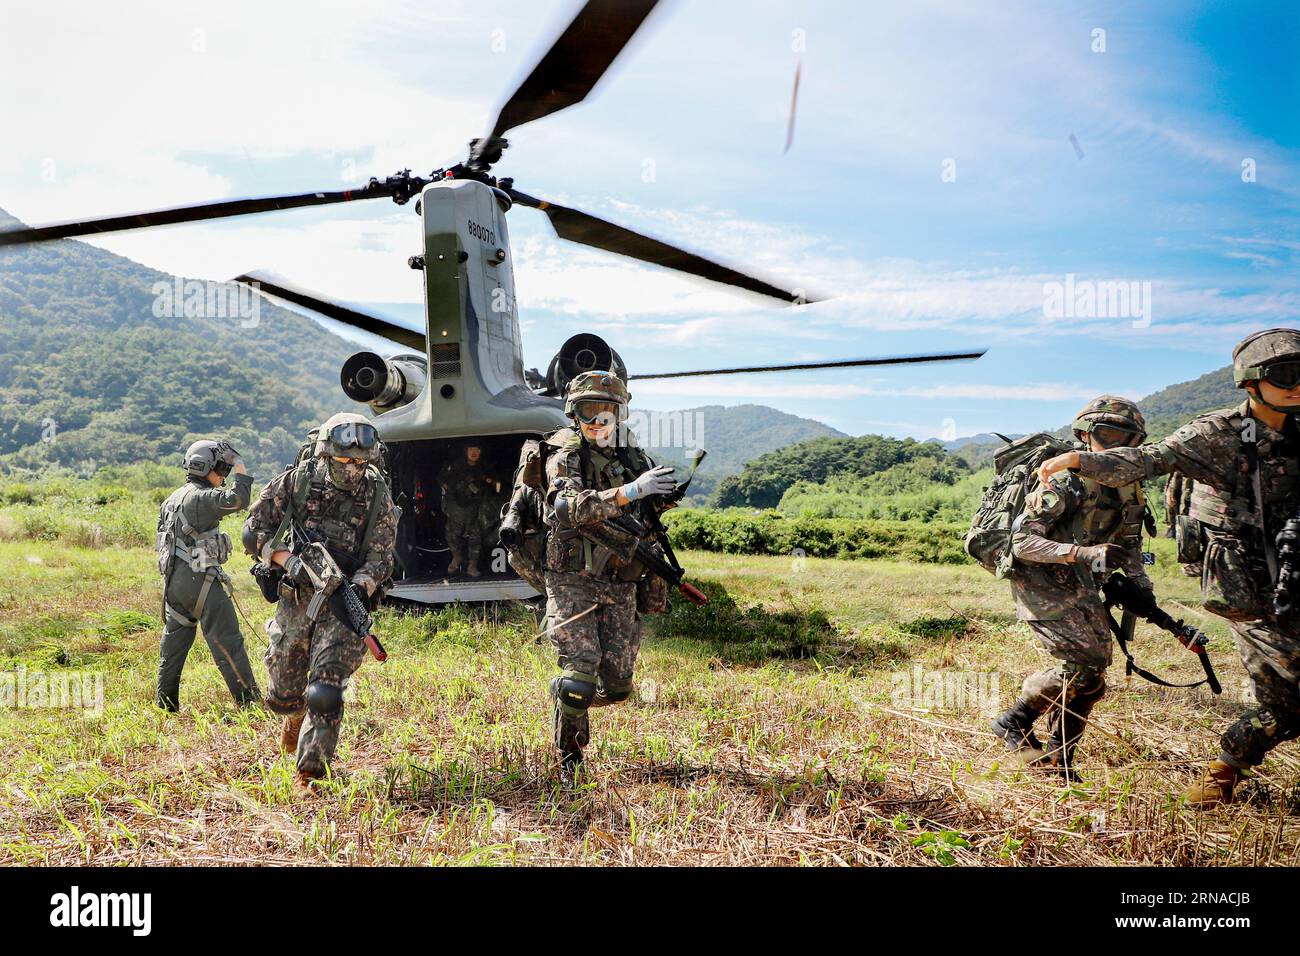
{"x":766,"y":478}
{"x":733,"y":435}
{"x":1172,"y":407}
{"x":90,"y":375}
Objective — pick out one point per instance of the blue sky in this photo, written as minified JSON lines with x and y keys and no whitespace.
{"x":177,"y":102}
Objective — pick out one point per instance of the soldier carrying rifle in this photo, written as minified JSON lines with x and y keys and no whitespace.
{"x":1244,"y":462}
{"x":340,"y":502}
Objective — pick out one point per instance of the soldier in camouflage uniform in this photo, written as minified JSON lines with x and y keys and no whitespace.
{"x":1070,"y":535}
{"x":343,"y":502}
{"x":466,"y":496}
{"x":1244,"y":463}
{"x":593,"y":471}
{"x":191,"y":550}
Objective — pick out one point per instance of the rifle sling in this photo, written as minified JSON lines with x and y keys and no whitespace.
{"x":1131,"y":666}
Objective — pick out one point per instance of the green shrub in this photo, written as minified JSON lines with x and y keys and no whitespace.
{"x":17,"y":494}
{"x":737,"y":531}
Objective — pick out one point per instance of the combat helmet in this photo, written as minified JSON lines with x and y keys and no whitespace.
{"x":1272,"y":356}
{"x":350,"y":437}
{"x":1256,"y":352}
{"x":596,"y":386}
{"x":206,"y":455}
{"x":347,"y":435}
{"x":1119,"y":415}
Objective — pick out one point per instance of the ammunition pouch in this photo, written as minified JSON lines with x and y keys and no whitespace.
{"x":651,"y":595}
{"x":1230,"y":582}
{"x":1190,"y":544}
{"x":165,"y":545}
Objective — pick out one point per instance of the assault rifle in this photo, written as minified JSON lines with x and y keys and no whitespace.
{"x":334,"y":588}
{"x":1121,"y":590}
{"x":627,"y":534}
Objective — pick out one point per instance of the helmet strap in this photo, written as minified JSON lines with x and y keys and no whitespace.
{"x":1257,"y":398}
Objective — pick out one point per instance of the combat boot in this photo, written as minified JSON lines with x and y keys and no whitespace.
{"x":472,"y":568}
{"x":1061,"y":745}
{"x":454,"y":566}
{"x":1016,"y":728}
{"x":1214,"y":788}
{"x":572,"y":733}
{"x":289,"y":731}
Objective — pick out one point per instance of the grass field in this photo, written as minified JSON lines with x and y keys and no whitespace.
{"x":818,"y":712}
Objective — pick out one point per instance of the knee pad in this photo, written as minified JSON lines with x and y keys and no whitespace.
{"x":616,"y":689}
{"x":324,"y":700}
{"x":575,"y":691}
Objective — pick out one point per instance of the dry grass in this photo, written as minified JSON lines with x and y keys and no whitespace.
{"x":444,"y":759}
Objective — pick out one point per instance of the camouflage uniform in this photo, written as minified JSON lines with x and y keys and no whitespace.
{"x":605,"y":642}
{"x":1235,"y":577}
{"x":1055,"y":585}
{"x":200,"y":508}
{"x":591,"y":593}
{"x":468,"y":504}
{"x":526,"y":513}
{"x":309,"y":663}
{"x":1058,"y":598}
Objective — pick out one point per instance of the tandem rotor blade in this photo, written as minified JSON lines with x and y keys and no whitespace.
{"x":196,"y":213}
{"x":572,"y":67}
{"x":578,"y":226}
{"x":842,"y":363}
{"x":339,"y":313}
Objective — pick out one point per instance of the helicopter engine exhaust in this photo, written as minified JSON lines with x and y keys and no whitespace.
{"x":383,"y":383}
{"x":580,"y":353}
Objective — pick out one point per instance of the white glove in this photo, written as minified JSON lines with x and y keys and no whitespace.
{"x":656,"y":481}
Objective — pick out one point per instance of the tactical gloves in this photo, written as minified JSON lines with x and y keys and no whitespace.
{"x":656,"y":481}
{"x":1100,"y":557}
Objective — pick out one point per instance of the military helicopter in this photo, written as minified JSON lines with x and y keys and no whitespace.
{"x":462,"y":379}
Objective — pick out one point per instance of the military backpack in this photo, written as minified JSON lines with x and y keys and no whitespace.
{"x":1015,"y":468}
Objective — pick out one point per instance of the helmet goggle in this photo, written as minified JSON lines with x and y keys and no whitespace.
{"x":1282,"y":374}
{"x":593,"y":412}
{"x":1111,"y":436}
{"x":360,"y":434}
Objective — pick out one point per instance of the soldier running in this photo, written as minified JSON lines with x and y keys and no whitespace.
{"x":1071,"y":534}
{"x":593,"y":471}
{"x":343,"y":503}
{"x":1244,"y":462}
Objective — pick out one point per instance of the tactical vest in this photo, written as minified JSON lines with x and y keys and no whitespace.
{"x":177,"y":538}
{"x":1109,"y":515}
{"x":1237,"y":577}
{"x":1233,"y":510}
{"x":342,"y":521}
{"x":566,"y":549}
{"x":1103,"y":516}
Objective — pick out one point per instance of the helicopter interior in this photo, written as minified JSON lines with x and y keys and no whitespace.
{"x":424,"y":545}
